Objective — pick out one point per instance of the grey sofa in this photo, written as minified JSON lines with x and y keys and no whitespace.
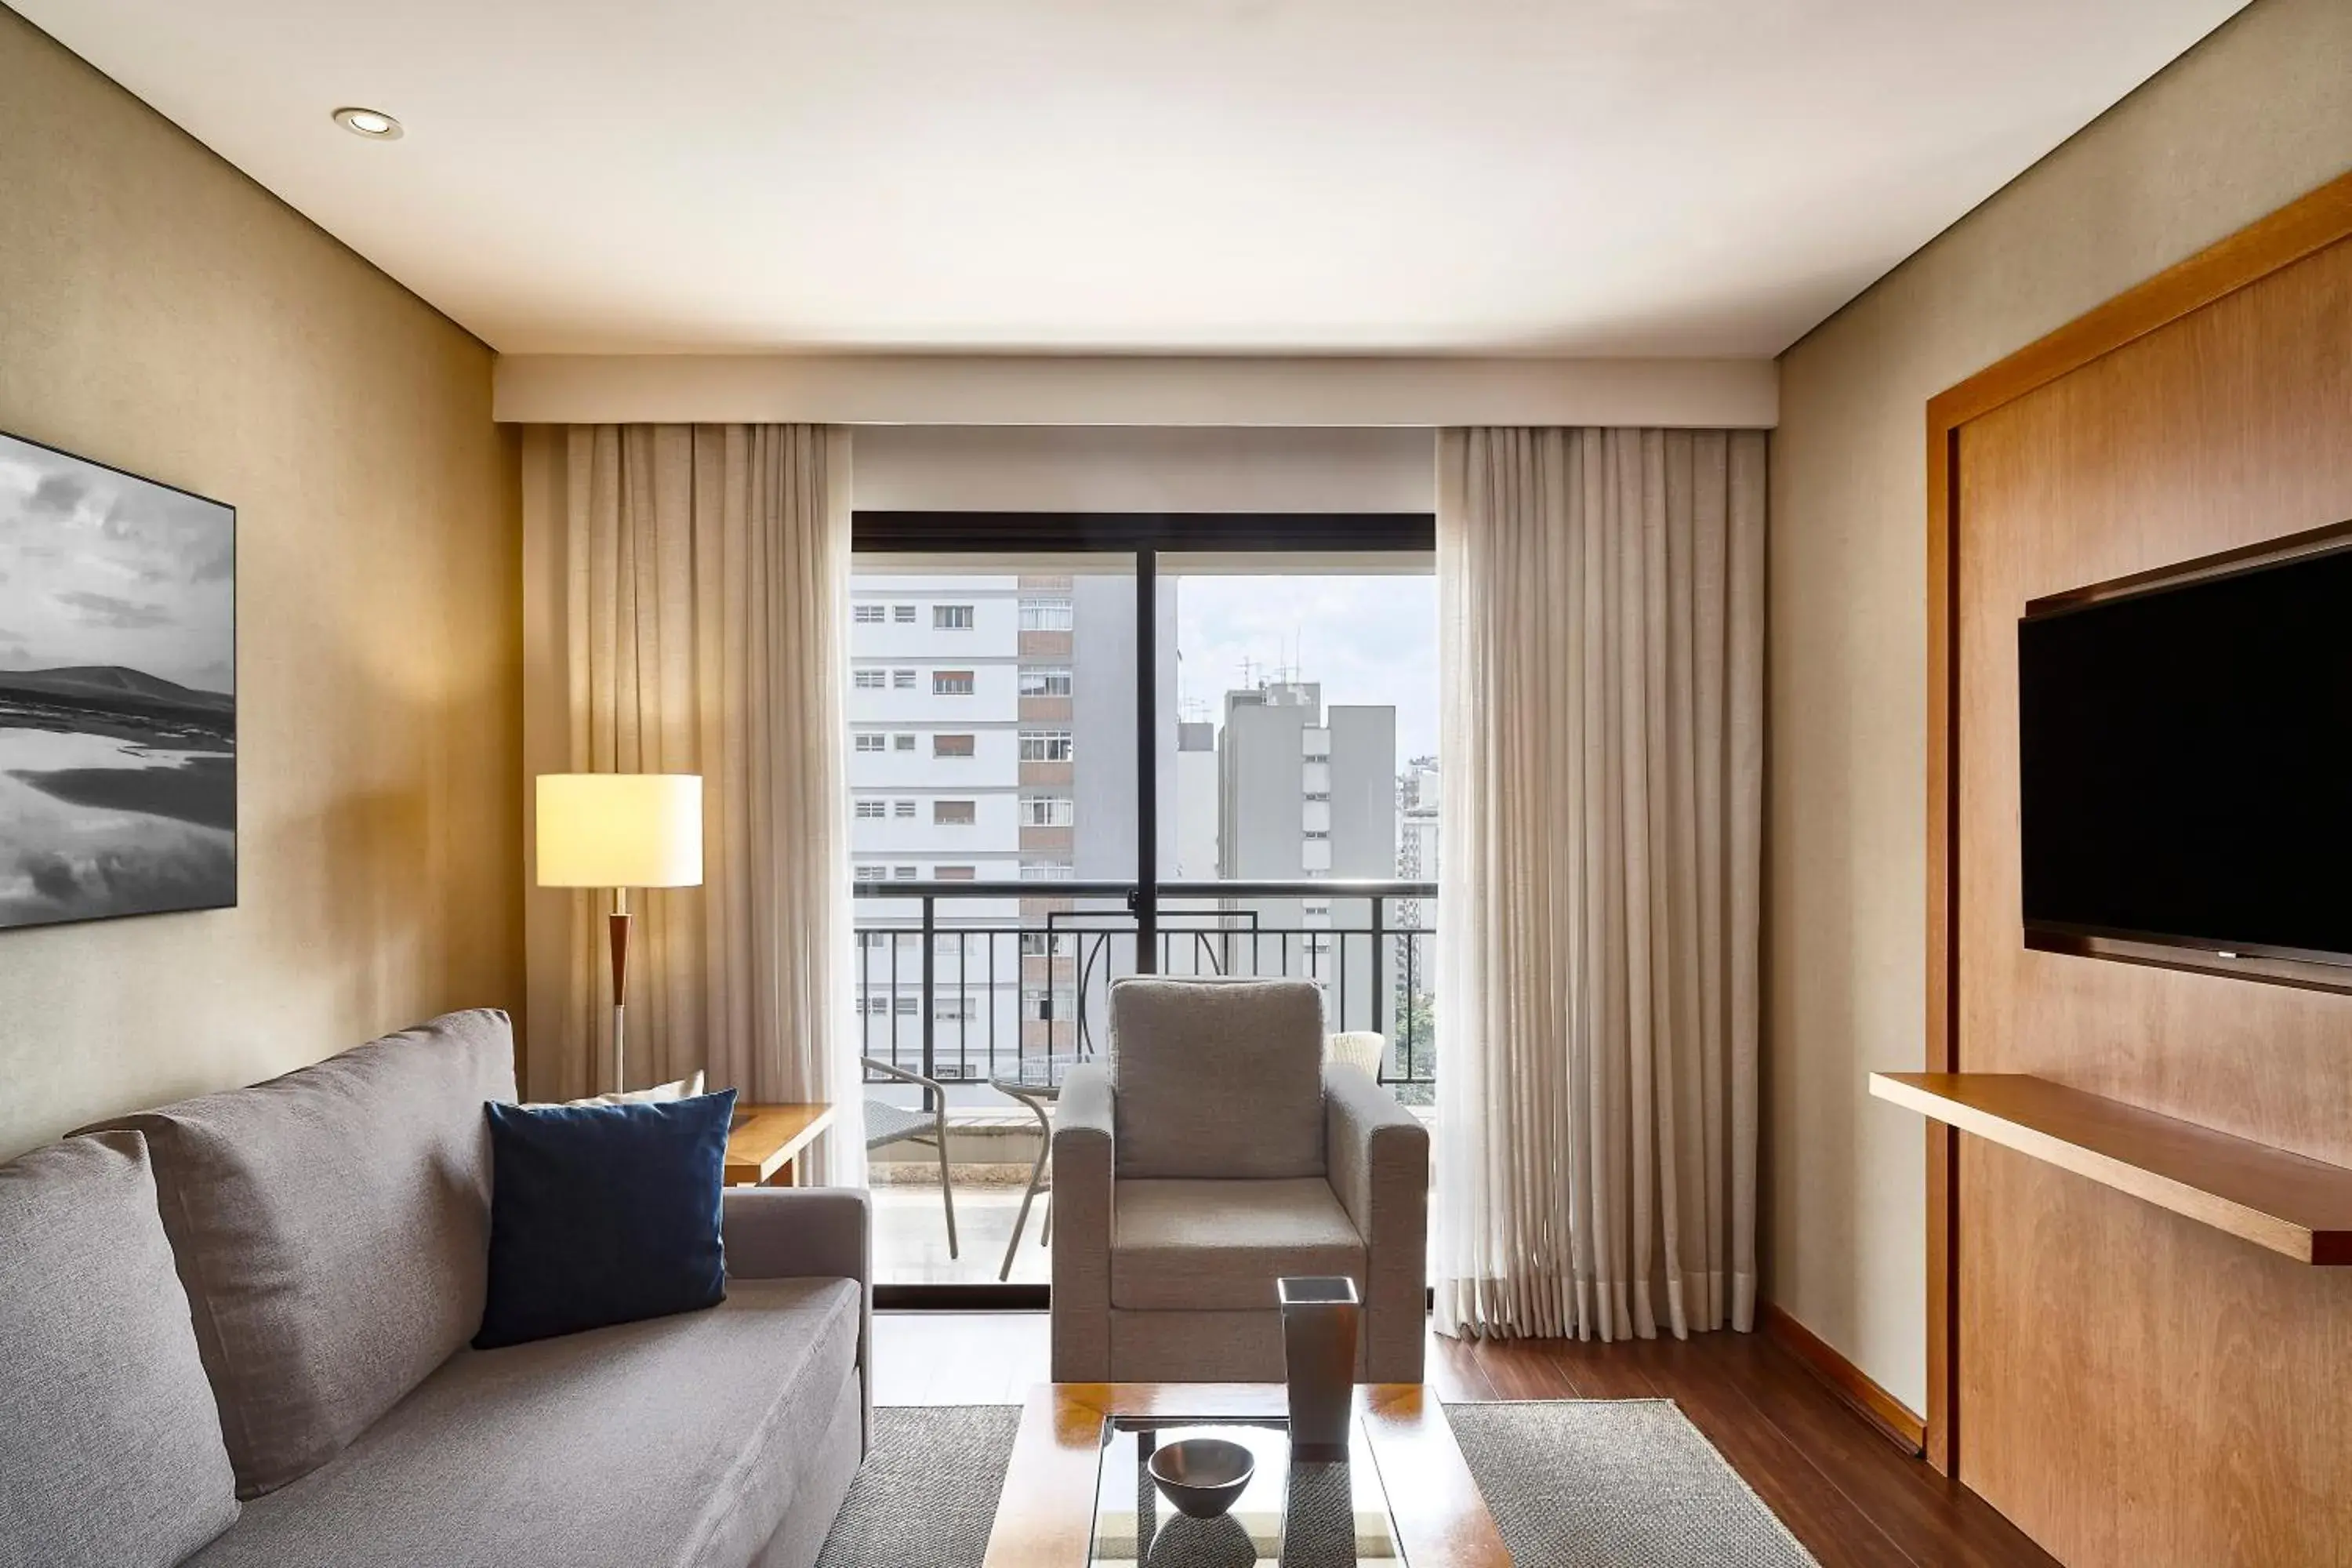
{"x":234,"y":1333}
{"x":1213,"y":1153}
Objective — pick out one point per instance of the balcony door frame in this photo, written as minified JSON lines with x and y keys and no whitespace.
{"x":1142,"y":537}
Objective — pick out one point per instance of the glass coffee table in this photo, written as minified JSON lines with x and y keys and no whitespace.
{"x":1076,"y":1494}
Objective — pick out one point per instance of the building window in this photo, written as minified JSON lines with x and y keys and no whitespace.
{"x":1037,"y":999}
{"x":873,"y":810}
{"x":1044,"y":613}
{"x":1046,"y":745}
{"x":1045,"y":681}
{"x":867,"y":679}
{"x":1048,"y":811}
{"x":954,"y":813}
{"x":1042,"y":871}
{"x":904,"y":810}
{"x":906,"y":1006}
{"x":1036,"y":944}
{"x":903,"y":680}
{"x":956,"y":1009}
{"x":902,"y":742}
{"x":951,"y":617}
{"x":902,"y":873}
{"x":867,"y":615}
{"x":869,"y":873}
{"x":951,"y":745}
{"x":950,"y":683}
{"x":956,"y":874}
{"x":903,"y":614}
{"x":867,"y":743}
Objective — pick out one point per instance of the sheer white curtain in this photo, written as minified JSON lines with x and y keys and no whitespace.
{"x":690,"y":616}
{"x":1600,"y":610}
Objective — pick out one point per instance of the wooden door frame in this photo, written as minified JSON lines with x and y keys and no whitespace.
{"x":2307,"y":225}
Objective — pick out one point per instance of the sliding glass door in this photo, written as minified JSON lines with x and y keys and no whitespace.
{"x":1086,"y":747}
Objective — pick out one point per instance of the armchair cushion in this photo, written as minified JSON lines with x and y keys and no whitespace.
{"x":1217,"y":1079}
{"x":1209,"y":1247}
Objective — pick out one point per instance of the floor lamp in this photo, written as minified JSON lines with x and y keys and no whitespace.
{"x":620,"y":831}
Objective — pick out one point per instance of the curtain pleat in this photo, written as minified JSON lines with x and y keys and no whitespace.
{"x":705,"y":607}
{"x":1600,"y":596}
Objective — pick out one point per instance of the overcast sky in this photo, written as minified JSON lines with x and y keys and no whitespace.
{"x":1367,"y":640}
{"x":96,"y":568}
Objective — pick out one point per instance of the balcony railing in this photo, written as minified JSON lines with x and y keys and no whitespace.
{"x":967,"y":982}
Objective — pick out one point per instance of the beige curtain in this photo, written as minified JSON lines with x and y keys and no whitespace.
{"x":1600,"y":610}
{"x":686,"y":609}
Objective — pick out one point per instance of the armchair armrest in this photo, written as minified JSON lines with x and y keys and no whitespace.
{"x":786,"y":1232}
{"x":1082,"y":1200}
{"x":1377,"y":1153}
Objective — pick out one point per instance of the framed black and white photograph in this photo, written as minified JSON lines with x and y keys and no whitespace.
{"x":118,"y":692}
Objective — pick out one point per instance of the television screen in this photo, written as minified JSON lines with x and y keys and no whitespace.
{"x":2186,"y":763}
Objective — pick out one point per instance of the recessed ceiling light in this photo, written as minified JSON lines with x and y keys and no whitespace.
{"x":373,"y":123}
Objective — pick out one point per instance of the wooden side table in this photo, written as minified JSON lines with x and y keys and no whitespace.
{"x":764,"y":1146}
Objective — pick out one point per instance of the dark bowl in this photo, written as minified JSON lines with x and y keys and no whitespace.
{"x":1202,"y":1475}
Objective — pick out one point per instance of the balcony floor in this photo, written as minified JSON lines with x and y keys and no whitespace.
{"x":911,"y":1236}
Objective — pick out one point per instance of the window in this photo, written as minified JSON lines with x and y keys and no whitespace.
{"x":1046,"y":682}
{"x":902,"y":873}
{"x":951,"y":617}
{"x":868,"y":742}
{"x":951,"y":745}
{"x":956,"y":874}
{"x":1036,"y":944}
{"x":906,"y":1006}
{"x":955,"y":1009}
{"x":1046,"y":745}
{"x":903,"y":680}
{"x":867,"y":680}
{"x":867,"y":615}
{"x":874,"y":941}
{"x":872,"y":810}
{"x":1062,"y":1001}
{"x":950,"y":683}
{"x":1048,"y":811}
{"x":903,"y":614}
{"x":1045,"y":614}
{"x":1041,"y":871}
{"x":954,"y":813}
{"x":869,"y":873}
{"x":902,"y":742}
{"x":903,"y":810}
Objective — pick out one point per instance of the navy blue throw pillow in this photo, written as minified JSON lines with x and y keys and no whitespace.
{"x":604,"y":1213}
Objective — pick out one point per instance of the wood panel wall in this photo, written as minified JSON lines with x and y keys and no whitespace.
{"x":2126,"y":1385}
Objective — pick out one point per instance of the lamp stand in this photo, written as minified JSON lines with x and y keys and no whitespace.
{"x":618,"y":924}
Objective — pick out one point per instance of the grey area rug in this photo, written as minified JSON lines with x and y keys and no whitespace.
{"x":1571,"y":1483}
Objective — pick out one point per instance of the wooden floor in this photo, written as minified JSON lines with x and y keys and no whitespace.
{"x":1849,"y":1495}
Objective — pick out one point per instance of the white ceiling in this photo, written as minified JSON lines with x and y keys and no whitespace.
{"x":1663,"y":177}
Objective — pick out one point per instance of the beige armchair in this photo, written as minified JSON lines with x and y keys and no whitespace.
{"x":1212,"y":1154}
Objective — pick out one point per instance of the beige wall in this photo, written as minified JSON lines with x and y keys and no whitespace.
{"x":2254,"y":116}
{"x":160,"y":312}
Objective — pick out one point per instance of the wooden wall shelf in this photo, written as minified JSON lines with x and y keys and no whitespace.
{"x":2297,"y":1206}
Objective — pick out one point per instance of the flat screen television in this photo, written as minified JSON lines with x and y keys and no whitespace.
{"x":2185,"y":755}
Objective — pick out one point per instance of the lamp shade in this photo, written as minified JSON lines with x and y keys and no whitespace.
{"x":620,"y":830}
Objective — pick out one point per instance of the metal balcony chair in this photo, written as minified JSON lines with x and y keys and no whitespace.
{"x":887,"y":1124}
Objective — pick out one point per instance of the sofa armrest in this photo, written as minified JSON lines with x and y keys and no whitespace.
{"x":785,"y":1233}
{"x":1376,"y":1152}
{"x":1082,"y":1200}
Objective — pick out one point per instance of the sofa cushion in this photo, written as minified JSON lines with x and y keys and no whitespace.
{"x":331,"y":1227}
{"x":604,"y":1214}
{"x":1217,"y":1078}
{"x":109,"y":1445}
{"x":1208,"y":1247}
{"x":667,"y":1443}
